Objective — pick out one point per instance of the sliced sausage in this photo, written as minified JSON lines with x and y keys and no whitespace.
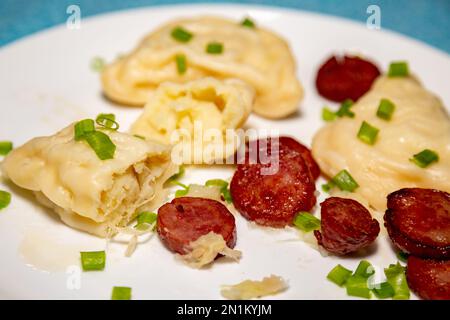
{"x":429,"y":279}
{"x":186,"y":219}
{"x":292,"y":145}
{"x":284,"y":147}
{"x":346,"y":226}
{"x":347,"y":77}
{"x":273,"y":197}
{"x":418,"y":222}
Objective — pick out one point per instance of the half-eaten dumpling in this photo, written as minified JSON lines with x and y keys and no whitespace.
{"x":90,"y":194}
{"x":257,"y":56}
{"x":198,"y":118}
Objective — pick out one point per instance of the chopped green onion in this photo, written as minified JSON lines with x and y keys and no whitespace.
{"x":107,"y":120}
{"x":144,"y":226}
{"x":106,"y":116}
{"x":398,"y":69}
{"x":395,"y":275}
{"x":248,"y":23}
{"x":394,"y":269}
{"x":145,"y":219}
{"x":344,"y":110}
{"x":5,"y":199}
{"x":345,"y":181}
{"x":339,"y":275}
{"x":98,"y":64}
{"x":217,"y":182}
{"x":225,"y":192}
{"x":181,"y":34}
{"x":383,"y":290}
{"x":101,"y":144}
{"x":385,"y":109}
{"x":180,"y":59}
{"x":306,"y":222}
{"x":5,"y":147}
{"x":214,"y":48}
{"x":368,"y":133}
{"x":180,"y":174}
{"x":326,"y":187}
{"x":357,"y":284}
{"x":99,"y":141}
{"x":138,"y":136}
{"x":93,"y":260}
{"x":424,"y":158}
{"x":121,"y":293}
{"x":83,"y":127}
{"x":357,"y":287}
{"x":402,"y":256}
{"x":174,"y":179}
{"x":180,"y":184}
{"x":181,"y":192}
{"x":364,"y":269}
{"x":328,"y":115}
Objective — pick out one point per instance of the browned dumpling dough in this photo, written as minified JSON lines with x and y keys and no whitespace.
{"x":255,"y":55}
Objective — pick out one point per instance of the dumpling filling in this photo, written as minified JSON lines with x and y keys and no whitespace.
{"x":90,"y":194}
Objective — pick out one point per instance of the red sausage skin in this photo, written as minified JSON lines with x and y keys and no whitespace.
{"x":293,"y":145}
{"x":347,"y":77}
{"x":346,"y":226}
{"x":429,"y":279}
{"x":186,"y":219}
{"x":418,"y":222}
{"x":274,"y":199}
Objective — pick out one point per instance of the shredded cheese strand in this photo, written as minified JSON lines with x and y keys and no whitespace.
{"x":249,"y":289}
{"x":205,"y":249}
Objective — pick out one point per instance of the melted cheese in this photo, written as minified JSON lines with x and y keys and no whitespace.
{"x":419,"y":122}
{"x":90,"y":194}
{"x":205,"y":249}
{"x":250,"y":289}
{"x":255,"y":55}
{"x":183,"y":114}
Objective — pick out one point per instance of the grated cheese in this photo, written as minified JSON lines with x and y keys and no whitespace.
{"x":135,"y":233}
{"x":131,"y":246}
{"x":207,"y":192}
{"x":249,"y":289}
{"x":206,"y":248}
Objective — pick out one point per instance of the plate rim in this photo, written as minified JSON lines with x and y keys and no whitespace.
{"x":227,"y":5}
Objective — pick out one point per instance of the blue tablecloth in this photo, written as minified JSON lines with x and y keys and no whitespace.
{"x":426,"y":20}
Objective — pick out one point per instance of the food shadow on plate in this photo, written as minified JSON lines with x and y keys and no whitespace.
{"x":298,"y":114}
{"x":115,"y":104}
{"x":367,"y":252}
{"x":31,"y":199}
{"x":392,"y":246}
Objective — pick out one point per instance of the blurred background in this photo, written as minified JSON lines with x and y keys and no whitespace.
{"x":425,"y":20}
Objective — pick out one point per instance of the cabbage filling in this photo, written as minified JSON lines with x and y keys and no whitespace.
{"x":131,"y":192}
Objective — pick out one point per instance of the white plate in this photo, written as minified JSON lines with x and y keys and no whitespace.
{"x":47,"y":83}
